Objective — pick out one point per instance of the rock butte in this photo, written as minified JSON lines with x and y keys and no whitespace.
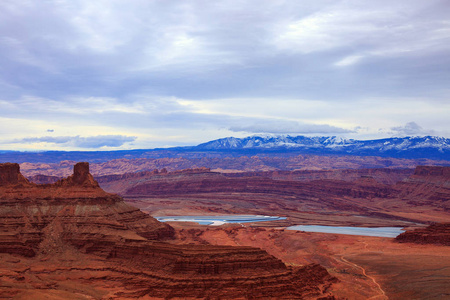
{"x":73,"y":231}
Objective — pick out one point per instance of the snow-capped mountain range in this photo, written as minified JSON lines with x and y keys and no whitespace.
{"x":407,"y":147}
{"x":428,"y":147}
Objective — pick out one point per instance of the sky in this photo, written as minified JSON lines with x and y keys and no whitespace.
{"x":116,"y":74}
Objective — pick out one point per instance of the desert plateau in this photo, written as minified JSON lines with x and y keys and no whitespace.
{"x":96,"y":237}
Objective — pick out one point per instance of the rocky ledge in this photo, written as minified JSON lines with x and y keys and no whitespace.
{"x":438,"y":234}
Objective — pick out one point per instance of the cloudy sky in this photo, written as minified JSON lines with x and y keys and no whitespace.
{"x":116,"y":74}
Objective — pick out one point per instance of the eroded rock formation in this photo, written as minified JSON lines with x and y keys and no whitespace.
{"x":71,"y":233}
{"x":333,"y":194}
{"x":224,"y":162}
{"x":10,"y":175}
{"x":438,"y":234}
{"x":397,"y":196}
{"x":207,"y":182}
{"x":76,"y":205}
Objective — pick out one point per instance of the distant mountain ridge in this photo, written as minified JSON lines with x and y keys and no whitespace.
{"x":404,"y":147}
{"x":267,"y":142}
{"x":428,"y":147}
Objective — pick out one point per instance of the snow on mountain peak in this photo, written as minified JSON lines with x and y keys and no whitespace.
{"x":418,"y":146}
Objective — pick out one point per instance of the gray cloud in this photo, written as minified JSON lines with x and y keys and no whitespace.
{"x":82,"y":142}
{"x":197,"y":49}
{"x":285,"y":127}
{"x":411,"y":128}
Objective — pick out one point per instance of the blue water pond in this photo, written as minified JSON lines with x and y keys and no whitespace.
{"x":219,"y":220}
{"x":391,"y":232}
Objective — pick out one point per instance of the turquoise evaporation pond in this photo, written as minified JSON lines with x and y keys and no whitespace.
{"x":391,"y":232}
{"x":219,"y":220}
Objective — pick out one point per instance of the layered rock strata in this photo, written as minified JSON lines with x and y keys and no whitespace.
{"x":76,"y":204}
{"x":317,"y":195}
{"x":428,"y":184}
{"x":219,"y":183}
{"x":398,"y":196}
{"x":73,"y":231}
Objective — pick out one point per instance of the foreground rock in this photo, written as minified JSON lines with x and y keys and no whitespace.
{"x":71,"y":239}
{"x":73,"y":209}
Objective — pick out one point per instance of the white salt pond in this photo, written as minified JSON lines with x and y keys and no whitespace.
{"x":219,"y":220}
{"x":391,"y":232}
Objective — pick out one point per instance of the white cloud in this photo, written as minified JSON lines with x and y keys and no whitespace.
{"x":333,"y":27}
{"x":80,"y":142}
{"x":349,"y":60}
{"x":384,"y":28}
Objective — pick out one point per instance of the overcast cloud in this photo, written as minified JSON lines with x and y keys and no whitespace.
{"x":135,"y":74}
{"x":411,"y":128}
